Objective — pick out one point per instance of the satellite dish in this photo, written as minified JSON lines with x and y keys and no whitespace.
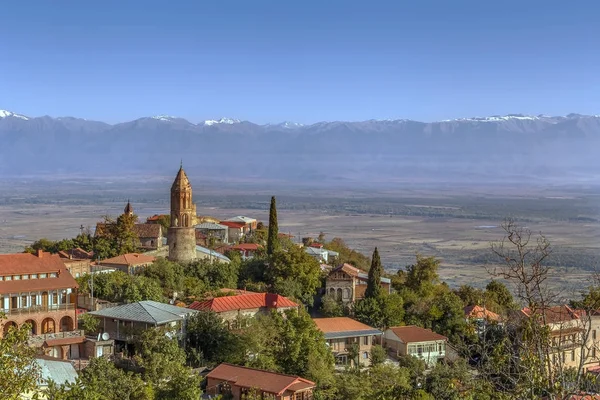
{"x":105,"y":336}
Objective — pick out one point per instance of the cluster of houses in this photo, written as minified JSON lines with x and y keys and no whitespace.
{"x":40,"y":290}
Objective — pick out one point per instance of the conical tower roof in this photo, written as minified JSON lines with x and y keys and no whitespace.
{"x":128,"y":208}
{"x":181,"y":182}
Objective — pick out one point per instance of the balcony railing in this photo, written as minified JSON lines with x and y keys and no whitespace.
{"x":58,"y":335}
{"x":38,"y":309}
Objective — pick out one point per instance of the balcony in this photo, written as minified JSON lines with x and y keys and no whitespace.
{"x":39,"y":309}
{"x":39,"y":339}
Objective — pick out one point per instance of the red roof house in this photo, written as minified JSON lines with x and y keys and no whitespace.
{"x":238,"y":382}
{"x":244,"y":305}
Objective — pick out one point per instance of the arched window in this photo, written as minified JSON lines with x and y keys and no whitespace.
{"x":347,"y":293}
{"x":339,"y":294}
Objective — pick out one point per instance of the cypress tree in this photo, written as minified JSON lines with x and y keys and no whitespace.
{"x":373,"y":283}
{"x":272,"y":239}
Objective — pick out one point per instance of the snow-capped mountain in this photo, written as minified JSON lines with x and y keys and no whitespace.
{"x":487,"y":148}
{"x":9,"y":114}
{"x":227,"y":121}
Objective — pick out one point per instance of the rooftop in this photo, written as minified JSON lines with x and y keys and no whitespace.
{"x":232,"y":224}
{"x":340,"y":327}
{"x":553,"y":315}
{"x":148,"y":230}
{"x":479,"y":312}
{"x":147,"y":311}
{"x":245,"y":301}
{"x":129,"y":259}
{"x":211,"y":226}
{"x":28,"y":264}
{"x":266,"y":381}
{"x":53,"y":369}
{"x":415,"y":334}
{"x":242,"y":219}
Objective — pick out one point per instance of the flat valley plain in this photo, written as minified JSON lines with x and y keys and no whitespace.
{"x":455,"y":223}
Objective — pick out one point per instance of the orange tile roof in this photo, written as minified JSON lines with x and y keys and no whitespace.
{"x":26,"y":264}
{"x":349,"y":269}
{"x":413,"y":334}
{"x":129,"y":259}
{"x":340,"y":324}
{"x":479,"y":312}
{"x":554,"y":314}
{"x":246,"y":247}
{"x":266,"y":381}
{"x":231,"y":224}
{"x":243,"y":302}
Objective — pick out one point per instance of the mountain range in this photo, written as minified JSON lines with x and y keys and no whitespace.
{"x":505,"y":148}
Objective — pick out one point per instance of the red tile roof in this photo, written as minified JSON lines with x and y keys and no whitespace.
{"x":76,"y":253}
{"x":349,"y":269}
{"x":156,"y":217}
{"x":266,"y":381}
{"x":129,"y":259}
{"x":340,"y":324}
{"x":246,"y":247}
{"x":27,"y":264}
{"x":243,"y":302}
{"x":479,"y":312}
{"x":414,"y":334}
{"x":231,"y":224}
{"x":554,"y":314}
{"x":316,"y":245}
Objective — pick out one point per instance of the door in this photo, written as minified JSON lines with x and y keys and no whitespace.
{"x":74,"y":351}
{"x":45,"y":300}
{"x":99,"y":351}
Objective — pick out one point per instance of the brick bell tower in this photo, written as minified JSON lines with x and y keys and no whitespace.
{"x":181,"y":235}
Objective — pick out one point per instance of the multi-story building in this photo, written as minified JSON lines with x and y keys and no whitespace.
{"x":415,"y":341}
{"x":39,"y":291}
{"x":348,"y":338}
{"x":348,"y":283}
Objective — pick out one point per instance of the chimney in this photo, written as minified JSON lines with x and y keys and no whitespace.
{"x":40,"y":253}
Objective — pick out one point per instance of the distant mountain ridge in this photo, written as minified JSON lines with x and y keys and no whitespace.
{"x":512,"y":147}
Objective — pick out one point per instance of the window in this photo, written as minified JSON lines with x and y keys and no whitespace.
{"x":572,"y":355}
{"x":440,"y":347}
{"x":33,"y":276}
{"x":366,"y":340}
{"x":25,"y":277}
{"x":43,"y":276}
{"x":16,"y":277}
{"x":564,"y":356}
{"x":8,"y":278}
{"x":594,"y":352}
{"x":594,"y":334}
{"x":53,"y":275}
{"x":366,"y":355}
{"x":1,"y":278}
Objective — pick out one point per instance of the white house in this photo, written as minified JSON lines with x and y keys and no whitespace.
{"x":415,"y":341}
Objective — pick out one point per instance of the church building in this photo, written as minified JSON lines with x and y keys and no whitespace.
{"x":181,"y":235}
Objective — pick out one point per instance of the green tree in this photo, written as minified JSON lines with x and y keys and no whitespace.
{"x":209,"y":341}
{"x":331,"y":307}
{"x":169,"y":274}
{"x":101,"y":380}
{"x":348,"y":255}
{"x":89,"y":323}
{"x":291,"y":272}
{"x":19,"y":373}
{"x":422,"y":276}
{"x":378,"y":355}
{"x":273,"y":235}
{"x":373,"y":290}
{"x":498,"y":294}
{"x":162,"y":361}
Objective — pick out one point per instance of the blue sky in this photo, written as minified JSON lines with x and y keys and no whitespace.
{"x":304,"y":61}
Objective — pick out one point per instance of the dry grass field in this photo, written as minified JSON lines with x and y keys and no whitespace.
{"x":456,"y":228}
